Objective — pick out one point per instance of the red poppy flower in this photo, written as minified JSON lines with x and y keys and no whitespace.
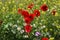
{"x":25,"y":13}
{"x":44,"y":7}
{"x":27,"y":28}
{"x":27,"y":20}
{"x":31,"y":16}
{"x":30,"y":5}
{"x":37,"y":13}
{"x":45,"y":39}
{"x":53,"y":12}
{"x":19,"y":11}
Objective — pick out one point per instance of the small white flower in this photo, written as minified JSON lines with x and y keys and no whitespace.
{"x":25,"y":36}
{"x":22,"y":31}
{"x":34,"y":25}
{"x":18,"y":28}
{"x":48,"y":10}
{"x":44,"y":26}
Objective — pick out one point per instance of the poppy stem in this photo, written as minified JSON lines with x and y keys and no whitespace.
{"x":28,"y":34}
